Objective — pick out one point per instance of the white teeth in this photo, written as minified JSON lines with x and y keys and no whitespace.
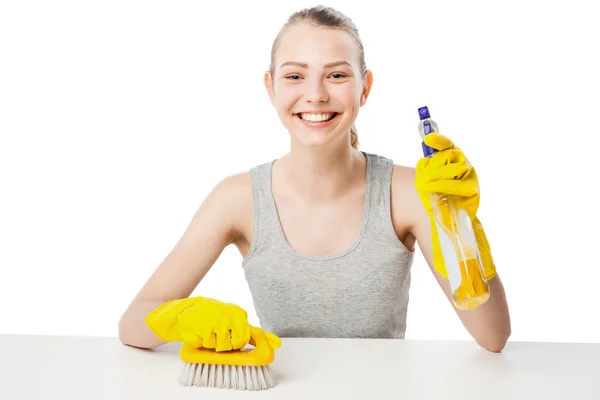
{"x":316,"y":117}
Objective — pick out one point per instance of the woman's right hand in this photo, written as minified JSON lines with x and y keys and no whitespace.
{"x":224,"y":218}
{"x":201,"y":322}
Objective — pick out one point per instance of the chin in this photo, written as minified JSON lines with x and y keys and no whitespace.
{"x":317,"y":139}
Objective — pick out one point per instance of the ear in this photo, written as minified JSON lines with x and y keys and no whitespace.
{"x":268,"y":82}
{"x":366,"y":88}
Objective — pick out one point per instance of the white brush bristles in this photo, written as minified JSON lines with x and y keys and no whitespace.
{"x":227,"y":376}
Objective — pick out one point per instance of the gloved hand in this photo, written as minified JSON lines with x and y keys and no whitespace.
{"x":202,"y":322}
{"x":263,"y":353}
{"x":449,"y":172}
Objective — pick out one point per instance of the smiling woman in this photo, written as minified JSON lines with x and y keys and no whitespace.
{"x":329,"y":24}
{"x":327,"y":233}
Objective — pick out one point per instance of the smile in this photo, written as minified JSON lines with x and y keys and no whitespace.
{"x":317,"y":120}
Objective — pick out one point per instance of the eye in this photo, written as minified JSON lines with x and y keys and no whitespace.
{"x":295,"y":77}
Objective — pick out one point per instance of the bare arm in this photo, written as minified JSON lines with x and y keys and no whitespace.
{"x":215,"y":225}
{"x":489,"y":324}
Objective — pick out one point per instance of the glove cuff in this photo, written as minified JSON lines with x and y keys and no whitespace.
{"x":487,"y":261}
{"x":162,"y":320}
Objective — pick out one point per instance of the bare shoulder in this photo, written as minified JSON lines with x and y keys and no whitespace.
{"x":403,"y":192}
{"x":403,"y":175}
{"x":406,"y":207}
{"x":233,"y":196}
{"x":218,"y":222}
{"x":237,"y":183}
{"x":221,"y":217}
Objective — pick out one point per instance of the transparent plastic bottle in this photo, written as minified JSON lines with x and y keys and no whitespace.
{"x":456,"y":236}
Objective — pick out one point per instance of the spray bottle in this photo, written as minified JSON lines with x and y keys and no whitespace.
{"x":458,"y":244}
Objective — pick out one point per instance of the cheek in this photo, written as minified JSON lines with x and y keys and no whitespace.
{"x":345,"y":93}
{"x":347,"y":96}
{"x":288,"y":97}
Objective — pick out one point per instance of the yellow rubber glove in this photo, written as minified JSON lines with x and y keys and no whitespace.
{"x":202,"y":322}
{"x":262,"y":354}
{"x":449,"y":172}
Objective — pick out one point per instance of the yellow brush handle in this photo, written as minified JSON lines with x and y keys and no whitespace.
{"x":265,"y":343}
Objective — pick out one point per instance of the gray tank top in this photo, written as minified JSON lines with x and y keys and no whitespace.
{"x":361,"y":292}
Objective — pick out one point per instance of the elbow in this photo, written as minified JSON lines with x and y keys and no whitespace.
{"x":493,"y":347}
{"x":122,"y":332}
{"x":495,"y":343}
{"x":130,"y":336}
{"x":126,"y":339}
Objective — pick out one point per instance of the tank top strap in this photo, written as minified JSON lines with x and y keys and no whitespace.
{"x":380,"y":216}
{"x":265,"y":231}
{"x":377,"y":222}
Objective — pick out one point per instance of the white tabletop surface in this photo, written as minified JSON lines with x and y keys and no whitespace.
{"x":89,"y":368}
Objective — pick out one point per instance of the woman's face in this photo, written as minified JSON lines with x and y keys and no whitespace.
{"x":317,"y":88}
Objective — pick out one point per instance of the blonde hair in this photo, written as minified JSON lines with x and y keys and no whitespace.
{"x":324,"y":17}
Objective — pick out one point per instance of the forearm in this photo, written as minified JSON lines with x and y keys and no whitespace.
{"x":133,"y":330}
{"x":489,"y":324}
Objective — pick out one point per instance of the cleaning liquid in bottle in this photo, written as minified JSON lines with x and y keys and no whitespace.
{"x":456,"y":236}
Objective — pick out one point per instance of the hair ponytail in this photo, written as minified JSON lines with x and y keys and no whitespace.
{"x":354,"y":136}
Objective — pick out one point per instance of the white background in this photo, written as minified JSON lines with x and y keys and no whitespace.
{"x":118,"y":117}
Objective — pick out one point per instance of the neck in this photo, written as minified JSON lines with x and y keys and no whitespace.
{"x":322,"y":173}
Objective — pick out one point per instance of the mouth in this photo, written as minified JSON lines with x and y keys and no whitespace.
{"x":317,"y":119}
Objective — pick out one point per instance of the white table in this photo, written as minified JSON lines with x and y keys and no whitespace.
{"x":89,"y":368}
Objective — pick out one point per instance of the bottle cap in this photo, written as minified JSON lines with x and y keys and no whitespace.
{"x":424,"y":113}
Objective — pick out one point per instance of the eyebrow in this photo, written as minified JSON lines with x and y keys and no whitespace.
{"x":304,"y":65}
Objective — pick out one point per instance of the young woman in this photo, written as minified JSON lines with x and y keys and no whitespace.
{"x":327,"y":232}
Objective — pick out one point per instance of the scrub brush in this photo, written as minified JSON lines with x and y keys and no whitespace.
{"x":243,"y":369}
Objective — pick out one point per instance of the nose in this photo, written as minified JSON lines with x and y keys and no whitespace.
{"x":316,"y":92}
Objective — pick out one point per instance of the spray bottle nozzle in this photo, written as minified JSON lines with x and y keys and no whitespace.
{"x":424,"y":113}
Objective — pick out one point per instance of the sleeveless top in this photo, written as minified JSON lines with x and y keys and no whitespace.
{"x":361,"y":292}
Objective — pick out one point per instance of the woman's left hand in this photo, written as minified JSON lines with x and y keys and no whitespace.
{"x":449,"y":172}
